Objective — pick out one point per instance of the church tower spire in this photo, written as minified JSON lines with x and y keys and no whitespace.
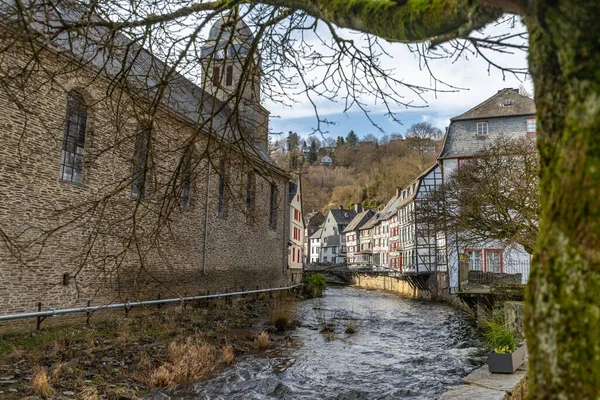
{"x":232,"y":72}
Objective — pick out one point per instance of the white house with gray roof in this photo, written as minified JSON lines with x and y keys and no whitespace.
{"x":506,"y":114}
{"x":333,"y":241}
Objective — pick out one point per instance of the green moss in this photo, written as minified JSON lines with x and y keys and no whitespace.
{"x":408,"y":21}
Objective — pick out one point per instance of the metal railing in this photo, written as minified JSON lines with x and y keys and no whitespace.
{"x":511,"y":272}
{"x":128,"y":305}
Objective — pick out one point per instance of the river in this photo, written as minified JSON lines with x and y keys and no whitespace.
{"x":402,"y":349}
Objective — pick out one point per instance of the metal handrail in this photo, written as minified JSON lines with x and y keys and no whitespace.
{"x":130,"y":304}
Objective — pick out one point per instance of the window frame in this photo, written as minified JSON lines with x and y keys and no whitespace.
{"x":501,"y":260}
{"x":141,"y":165}
{"x":483,"y":123}
{"x":229,"y":75}
{"x":481,"y":257}
{"x":73,"y":146}
{"x":527,"y":121}
{"x":273,"y":206}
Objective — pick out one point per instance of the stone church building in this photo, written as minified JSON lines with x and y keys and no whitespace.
{"x":109,"y":191}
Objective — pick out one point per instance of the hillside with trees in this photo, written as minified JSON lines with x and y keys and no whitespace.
{"x":365,"y":170}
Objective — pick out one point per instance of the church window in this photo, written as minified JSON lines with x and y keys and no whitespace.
{"x":74,"y":139}
{"x":229,"y":75}
{"x":273,"y":207}
{"x":216,"y":76}
{"x":186,"y":179}
{"x":250,"y":191}
{"x":140,"y":162}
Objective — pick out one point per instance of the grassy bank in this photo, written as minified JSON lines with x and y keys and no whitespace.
{"x":123,"y":357}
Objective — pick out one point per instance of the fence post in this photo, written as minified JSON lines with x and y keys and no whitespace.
{"x":38,"y":318}
{"x":126,"y":308}
{"x":88,"y":313}
{"x":257,"y":294}
{"x":270,"y":291}
{"x":159,"y":305}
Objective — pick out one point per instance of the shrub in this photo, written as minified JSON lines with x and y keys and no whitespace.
{"x":228,"y":354}
{"x":262,"y":342}
{"x":314,"y":285}
{"x":281,"y":315}
{"x":40,"y":385}
{"x":499,"y":337}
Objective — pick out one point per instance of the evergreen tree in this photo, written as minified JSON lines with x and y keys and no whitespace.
{"x":312,"y":152}
{"x":352,"y":139}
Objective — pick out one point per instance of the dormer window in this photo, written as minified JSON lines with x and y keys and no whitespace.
{"x":531,"y":125}
{"x":482,"y":128}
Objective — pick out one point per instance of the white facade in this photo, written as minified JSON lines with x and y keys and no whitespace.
{"x":315,"y":247}
{"x":418,"y":244}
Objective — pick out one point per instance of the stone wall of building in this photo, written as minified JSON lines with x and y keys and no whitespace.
{"x":64,"y":244}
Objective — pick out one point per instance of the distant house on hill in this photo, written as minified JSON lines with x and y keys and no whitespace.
{"x":326,"y":161}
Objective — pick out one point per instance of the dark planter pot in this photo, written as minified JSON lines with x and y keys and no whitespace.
{"x":507,"y":363}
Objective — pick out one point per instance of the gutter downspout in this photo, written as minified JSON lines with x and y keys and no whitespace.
{"x":205,"y":247}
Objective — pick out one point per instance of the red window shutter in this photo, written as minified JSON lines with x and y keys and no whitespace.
{"x":293,"y":255}
{"x":229,"y":76}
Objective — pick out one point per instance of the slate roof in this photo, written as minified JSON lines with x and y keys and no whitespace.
{"x":308,"y":218}
{"x":343,"y":216}
{"x":358,"y":221}
{"x":317,"y":234}
{"x":495,"y":106}
{"x":409,"y":198}
{"x":390,"y":208}
{"x":462,"y":140}
{"x":369,"y":224}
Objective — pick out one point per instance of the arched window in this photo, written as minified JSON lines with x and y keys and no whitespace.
{"x":74,"y":139}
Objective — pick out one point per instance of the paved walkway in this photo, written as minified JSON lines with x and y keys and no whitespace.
{"x":483,"y":385}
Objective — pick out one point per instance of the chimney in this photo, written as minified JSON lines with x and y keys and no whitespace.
{"x":341,"y":207}
{"x":398,"y":191}
{"x":358,"y":208}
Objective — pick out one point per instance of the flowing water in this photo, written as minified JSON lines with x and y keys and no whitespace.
{"x":402,"y":348}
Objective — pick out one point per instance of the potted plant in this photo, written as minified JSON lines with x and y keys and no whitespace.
{"x":506,"y":354}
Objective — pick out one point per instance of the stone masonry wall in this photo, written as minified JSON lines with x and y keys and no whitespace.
{"x":109,"y":246}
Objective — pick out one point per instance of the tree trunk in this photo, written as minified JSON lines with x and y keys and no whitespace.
{"x":563,"y":296}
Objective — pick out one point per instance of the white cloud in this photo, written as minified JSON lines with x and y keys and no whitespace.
{"x":471,"y":74}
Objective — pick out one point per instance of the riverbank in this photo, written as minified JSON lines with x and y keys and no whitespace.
{"x":124,"y":357}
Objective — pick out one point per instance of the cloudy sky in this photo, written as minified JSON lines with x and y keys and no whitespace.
{"x":478,"y":82}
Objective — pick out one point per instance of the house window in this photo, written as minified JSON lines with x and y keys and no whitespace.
{"x":273,"y":207}
{"x":250,"y":191}
{"x":482,"y":128}
{"x":216,"y":77}
{"x":462,"y":162}
{"x":531,"y":125}
{"x":186,"y":179}
{"x":140,"y":163}
{"x":493,"y":260}
{"x":221,"y":197}
{"x":74,"y":139}
{"x":474,"y":259}
{"x":229,"y":75}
